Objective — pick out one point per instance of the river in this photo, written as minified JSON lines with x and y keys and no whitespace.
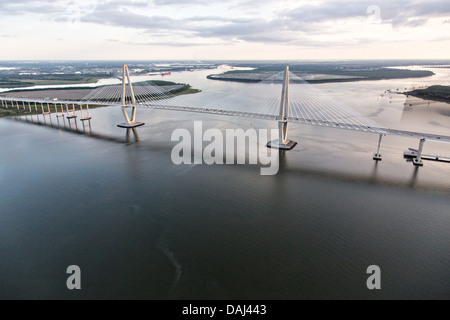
{"x":139,"y":226}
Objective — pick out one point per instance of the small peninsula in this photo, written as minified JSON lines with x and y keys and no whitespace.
{"x":435,"y":93}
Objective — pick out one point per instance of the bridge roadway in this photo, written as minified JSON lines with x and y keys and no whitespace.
{"x":312,"y":122}
{"x":315,"y":122}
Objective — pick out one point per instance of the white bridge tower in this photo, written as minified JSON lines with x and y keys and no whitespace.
{"x":282,"y":143}
{"x":130,"y":123}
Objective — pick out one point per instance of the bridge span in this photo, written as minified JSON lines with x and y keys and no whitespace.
{"x":308,"y":108}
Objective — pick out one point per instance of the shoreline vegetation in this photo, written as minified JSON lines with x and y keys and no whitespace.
{"x":433,"y":93}
{"x":11,"y":109}
{"x":21,"y":74}
{"x":22,"y":81}
{"x":318,"y":73}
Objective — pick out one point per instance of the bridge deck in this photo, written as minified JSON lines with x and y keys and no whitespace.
{"x":312,"y":122}
{"x":321,"y":123}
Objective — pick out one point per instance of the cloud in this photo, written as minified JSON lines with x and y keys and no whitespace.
{"x":413,"y":23}
{"x":169,"y":44}
{"x":217,"y":19}
{"x":389,"y":10}
{"x":183,"y":2}
{"x":304,"y":18}
{"x":299,"y":23}
{"x":128,"y":19}
{"x":19,"y":7}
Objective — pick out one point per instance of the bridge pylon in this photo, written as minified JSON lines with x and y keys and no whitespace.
{"x":282,"y":142}
{"x":130,"y":122}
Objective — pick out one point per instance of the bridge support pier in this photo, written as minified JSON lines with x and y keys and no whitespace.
{"x":68,"y":111}
{"x":282,"y":142}
{"x":417,"y":161}
{"x":377,"y":156}
{"x":130,"y":123}
{"x":44,"y":113}
{"x":60,"y":114}
{"x":85,"y":114}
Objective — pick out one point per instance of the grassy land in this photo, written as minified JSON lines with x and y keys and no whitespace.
{"x":10,"y":109}
{"x":62,"y":82}
{"x":435,"y":93}
{"x":19,"y":81}
{"x":155,"y":82}
{"x":187,"y":91}
{"x":159,"y":83}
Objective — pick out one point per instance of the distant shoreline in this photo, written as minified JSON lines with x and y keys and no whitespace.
{"x":75,"y":94}
{"x":322,"y":74}
{"x":433,"y":93}
{"x":212,"y":77}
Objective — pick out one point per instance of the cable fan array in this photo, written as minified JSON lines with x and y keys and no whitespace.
{"x":113,"y":94}
{"x":307,"y":104}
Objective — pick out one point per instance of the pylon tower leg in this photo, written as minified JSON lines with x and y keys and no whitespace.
{"x":282,"y":142}
{"x":130,"y":123}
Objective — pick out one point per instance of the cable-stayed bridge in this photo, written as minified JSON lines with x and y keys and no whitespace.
{"x":300,"y":103}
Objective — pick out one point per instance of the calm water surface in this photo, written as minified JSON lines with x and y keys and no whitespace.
{"x":141,"y":227}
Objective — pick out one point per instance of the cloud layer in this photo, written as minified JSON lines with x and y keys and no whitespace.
{"x":184,"y":23}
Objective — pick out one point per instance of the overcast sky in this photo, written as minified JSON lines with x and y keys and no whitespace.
{"x":231,"y":29}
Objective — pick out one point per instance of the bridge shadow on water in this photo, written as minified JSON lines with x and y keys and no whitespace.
{"x":286,"y":170}
{"x":72,"y":126}
{"x":375,"y":176}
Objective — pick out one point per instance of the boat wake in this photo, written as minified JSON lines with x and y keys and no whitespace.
{"x":162,"y":245}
